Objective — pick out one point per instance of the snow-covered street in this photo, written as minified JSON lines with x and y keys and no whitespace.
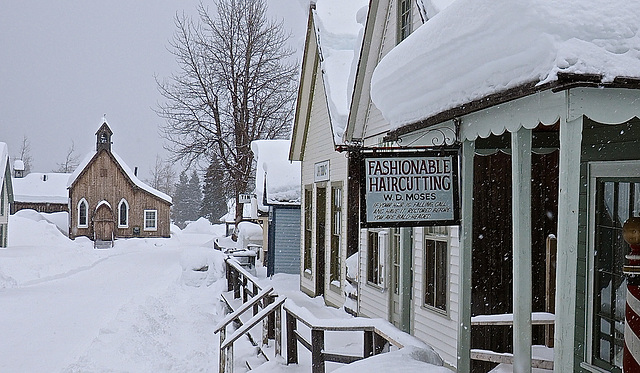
{"x":146,"y":305}
{"x":67,"y":307}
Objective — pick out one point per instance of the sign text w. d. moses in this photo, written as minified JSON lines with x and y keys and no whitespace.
{"x":413,"y":190}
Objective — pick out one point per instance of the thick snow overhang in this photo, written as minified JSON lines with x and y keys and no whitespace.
{"x":531,"y":104}
{"x":476,"y":54}
{"x":277,"y":179}
{"x":333,"y":43}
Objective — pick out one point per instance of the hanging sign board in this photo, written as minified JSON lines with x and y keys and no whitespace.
{"x":408,"y":189}
{"x":244,"y":198}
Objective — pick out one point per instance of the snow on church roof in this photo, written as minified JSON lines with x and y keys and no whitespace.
{"x":283,"y":176}
{"x":475,"y":48}
{"x":39,"y":187}
{"x":127,"y":171}
{"x":339,"y":30}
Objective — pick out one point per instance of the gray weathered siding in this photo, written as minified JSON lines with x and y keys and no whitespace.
{"x":287,"y":240}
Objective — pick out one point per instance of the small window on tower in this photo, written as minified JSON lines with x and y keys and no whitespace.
{"x":103,"y":172}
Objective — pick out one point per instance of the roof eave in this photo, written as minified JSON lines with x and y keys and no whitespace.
{"x":565,"y":81}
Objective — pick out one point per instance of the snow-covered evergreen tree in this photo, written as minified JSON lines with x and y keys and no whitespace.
{"x":187,"y":198}
{"x":194,"y":198}
{"x":180,"y":200}
{"x":215,"y":195}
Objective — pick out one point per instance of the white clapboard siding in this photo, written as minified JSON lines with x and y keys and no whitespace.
{"x":319,"y":147}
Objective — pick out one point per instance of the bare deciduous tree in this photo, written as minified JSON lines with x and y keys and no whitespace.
{"x":25,"y":154}
{"x":163,"y":176}
{"x":71,"y":160}
{"x":235,"y":85}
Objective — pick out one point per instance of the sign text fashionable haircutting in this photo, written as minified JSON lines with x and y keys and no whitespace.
{"x":418,"y":188}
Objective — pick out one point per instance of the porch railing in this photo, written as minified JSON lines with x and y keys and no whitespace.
{"x":375,"y":341}
{"x":377,"y":335}
{"x":263,"y":303}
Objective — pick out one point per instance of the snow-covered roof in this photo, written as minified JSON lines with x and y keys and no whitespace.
{"x":137,"y":182}
{"x":430,"y":8}
{"x":18,"y":165}
{"x":230,"y":216}
{"x":339,"y":26}
{"x":476,"y":48}
{"x":283,"y":177}
{"x":39,"y":187}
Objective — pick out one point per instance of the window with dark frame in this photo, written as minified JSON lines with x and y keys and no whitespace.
{"x":374,"y":270}
{"x":82,"y":213}
{"x":336,"y":223}
{"x":123,"y":209}
{"x":436,"y":267}
{"x":404,"y":19}
{"x":308,"y":228}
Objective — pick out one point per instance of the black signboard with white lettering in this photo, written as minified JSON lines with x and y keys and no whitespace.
{"x":409,"y":189}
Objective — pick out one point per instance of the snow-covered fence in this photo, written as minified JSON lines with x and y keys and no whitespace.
{"x":265,"y":305}
{"x":375,"y":339}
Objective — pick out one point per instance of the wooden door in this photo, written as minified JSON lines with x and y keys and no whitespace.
{"x":104,"y":223}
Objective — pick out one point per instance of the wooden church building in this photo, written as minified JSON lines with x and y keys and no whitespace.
{"x":108,"y":201}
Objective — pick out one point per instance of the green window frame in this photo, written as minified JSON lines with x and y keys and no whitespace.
{"x":336,"y":228}
{"x":308,"y":229}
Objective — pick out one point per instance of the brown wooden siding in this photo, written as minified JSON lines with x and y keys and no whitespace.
{"x":104,"y":179}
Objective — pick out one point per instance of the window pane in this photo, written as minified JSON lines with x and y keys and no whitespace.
{"x":441,"y":275}
{"x":372,"y":258}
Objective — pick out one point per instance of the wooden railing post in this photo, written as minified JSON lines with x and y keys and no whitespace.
{"x":378,"y":343}
{"x":278,"y":331}
{"x":244,"y":289}
{"x":223,"y":359}
{"x":229,"y":276}
{"x":368,"y":343}
{"x":292,"y":340}
{"x":271,"y":325}
{"x":236,"y":284}
{"x":230,"y":356}
{"x":255,"y":291}
{"x":317,"y":346}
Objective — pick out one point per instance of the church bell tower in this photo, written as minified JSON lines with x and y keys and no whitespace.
{"x":103,"y":137}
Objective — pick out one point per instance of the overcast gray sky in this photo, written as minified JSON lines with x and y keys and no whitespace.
{"x":63,"y":64}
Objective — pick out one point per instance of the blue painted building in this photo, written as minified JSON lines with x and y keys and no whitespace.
{"x":278,"y":194}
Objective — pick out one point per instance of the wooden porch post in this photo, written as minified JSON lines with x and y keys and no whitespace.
{"x":567,"y":255}
{"x":521,"y":212}
{"x":464,"y":305}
